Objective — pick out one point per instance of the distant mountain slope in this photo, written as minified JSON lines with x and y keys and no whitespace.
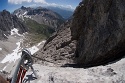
{"x":66,"y":14}
{"x":40,"y":15}
{"x":37,"y":32}
{"x":9,"y":22}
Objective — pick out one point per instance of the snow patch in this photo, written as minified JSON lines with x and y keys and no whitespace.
{"x":5,"y":35}
{"x":13,"y":56}
{"x":4,"y":68}
{"x":17,"y":52}
{"x":26,"y":16}
{"x":25,"y":13}
{"x":41,"y":43}
{"x":0,"y":49}
{"x":21,"y":16}
{"x":33,"y":49}
{"x":15,"y":31}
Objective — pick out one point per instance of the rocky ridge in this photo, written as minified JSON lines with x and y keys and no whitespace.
{"x":40,"y":15}
{"x":9,"y":22}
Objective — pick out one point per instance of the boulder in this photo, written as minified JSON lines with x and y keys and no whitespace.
{"x":99,"y":28}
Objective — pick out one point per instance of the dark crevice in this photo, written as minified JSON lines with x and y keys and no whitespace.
{"x":50,"y":38}
{"x":64,"y":44}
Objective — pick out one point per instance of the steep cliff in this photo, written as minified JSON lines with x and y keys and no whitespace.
{"x":8,"y":22}
{"x":98,"y":27}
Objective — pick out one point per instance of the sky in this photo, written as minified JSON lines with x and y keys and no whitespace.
{"x":11,"y":5}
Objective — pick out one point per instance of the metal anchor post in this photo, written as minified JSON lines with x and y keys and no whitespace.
{"x":25,"y":62}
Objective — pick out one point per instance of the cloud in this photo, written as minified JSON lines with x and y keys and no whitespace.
{"x":43,"y":2}
{"x":60,"y":6}
{"x":69,"y":6}
{"x":28,"y":1}
{"x":40,"y":1}
{"x":18,"y":1}
{"x":32,"y":5}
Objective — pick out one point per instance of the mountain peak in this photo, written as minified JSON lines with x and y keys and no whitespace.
{"x":40,"y":15}
{"x":39,"y":7}
{"x":6,"y":11}
{"x":23,"y":7}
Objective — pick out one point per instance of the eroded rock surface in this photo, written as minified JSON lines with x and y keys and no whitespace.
{"x":9,"y":22}
{"x":59,"y":48}
{"x":99,"y":28}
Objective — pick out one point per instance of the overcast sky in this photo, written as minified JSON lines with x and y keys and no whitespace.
{"x":11,"y":5}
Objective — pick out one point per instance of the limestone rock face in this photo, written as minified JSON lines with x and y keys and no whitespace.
{"x":99,"y":28}
{"x":8,"y":22}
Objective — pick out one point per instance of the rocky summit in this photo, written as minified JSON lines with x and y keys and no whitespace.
{"x":94,"y":36}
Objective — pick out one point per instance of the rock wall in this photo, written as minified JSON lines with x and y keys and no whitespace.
{"x":8,"y":22}
{"x":99,"y":28}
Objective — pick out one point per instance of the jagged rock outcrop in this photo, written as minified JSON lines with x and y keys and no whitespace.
{"x":98,"y":27}
{"x":59,"y":48}
{"x":40,"y":15}
{"x":8,"y":22}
